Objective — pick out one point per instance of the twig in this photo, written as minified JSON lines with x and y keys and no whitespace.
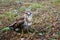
{"x":32,"y":35}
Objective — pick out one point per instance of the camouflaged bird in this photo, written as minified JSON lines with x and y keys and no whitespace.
{"x":22,"y":23}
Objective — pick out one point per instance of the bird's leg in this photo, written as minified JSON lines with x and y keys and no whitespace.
{"x":28,"y":31}
{"x":22,"y":33}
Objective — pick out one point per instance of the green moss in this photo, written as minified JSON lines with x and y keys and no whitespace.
{"x":6,"y":28}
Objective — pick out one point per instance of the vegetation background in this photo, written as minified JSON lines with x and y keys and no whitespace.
{"x":46,"y":18}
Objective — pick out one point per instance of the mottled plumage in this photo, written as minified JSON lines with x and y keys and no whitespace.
{"x":22,"y":23}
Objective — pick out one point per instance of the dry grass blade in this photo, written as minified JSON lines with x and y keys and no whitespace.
{"x":32,"y":34}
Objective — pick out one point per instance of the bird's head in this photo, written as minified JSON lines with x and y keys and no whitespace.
{"x":28,"y":13}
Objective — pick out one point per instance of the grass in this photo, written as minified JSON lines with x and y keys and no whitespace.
{"x":35,"y":6}
{"x":46,"y":17}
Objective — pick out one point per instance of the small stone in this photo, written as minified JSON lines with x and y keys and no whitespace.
{"x":22,"y":38}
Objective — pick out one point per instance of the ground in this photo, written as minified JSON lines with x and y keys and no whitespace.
{"x":46,"y":19}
